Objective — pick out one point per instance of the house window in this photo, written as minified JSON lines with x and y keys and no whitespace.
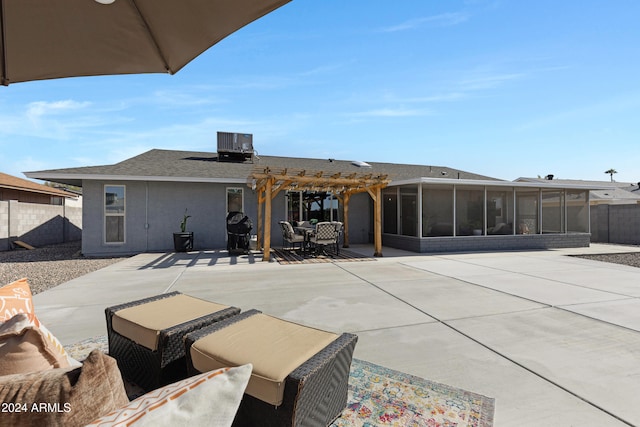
{"x":469,"y":212}
{"x":409,"y":211}
{"x":527,"y":211}
{"x":577,"y":211}
{"x":293,"y":206}
{"x":553,"y":211}
{"x":308,"y":205}
{"x":499,"y":211}
{"x":437,"y":211}
{"x":114,"y":213}
{"x":235,"y":200}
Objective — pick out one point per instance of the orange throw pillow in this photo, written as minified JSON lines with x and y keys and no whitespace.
{"x":15,"y":298}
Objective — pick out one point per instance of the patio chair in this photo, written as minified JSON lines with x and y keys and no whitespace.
{"x":339,"y":229}
{"x":324,"y":235}
{"x":290,"y":236}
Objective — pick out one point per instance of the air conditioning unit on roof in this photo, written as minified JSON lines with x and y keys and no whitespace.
{"x":235,"y":145}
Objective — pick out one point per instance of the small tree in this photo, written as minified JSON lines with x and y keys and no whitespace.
{"x":611,"y":172}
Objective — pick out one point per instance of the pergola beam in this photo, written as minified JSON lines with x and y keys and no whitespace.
{"x":269,"y":182}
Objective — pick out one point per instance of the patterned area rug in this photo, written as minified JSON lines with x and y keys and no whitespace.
{"x":288,"y":256}
{"x":379,"y":396}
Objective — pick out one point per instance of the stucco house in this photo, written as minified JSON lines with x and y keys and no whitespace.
{"x":135,"y":205}
{"x":22,"y":190}
{"x":36,"y":214}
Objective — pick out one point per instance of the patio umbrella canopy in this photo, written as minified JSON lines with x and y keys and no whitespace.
{"x":47,"y":39}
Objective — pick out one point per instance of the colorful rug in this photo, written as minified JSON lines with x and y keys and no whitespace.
{"x":289,"y":256}
{"x":379,"y":396}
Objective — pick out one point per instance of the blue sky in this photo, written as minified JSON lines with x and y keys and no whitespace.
{"x":501,"y":88}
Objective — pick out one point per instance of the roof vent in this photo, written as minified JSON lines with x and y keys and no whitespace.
{"x":549,"y":177}
{"x":360,"y":164}
{"x":232,"y":146}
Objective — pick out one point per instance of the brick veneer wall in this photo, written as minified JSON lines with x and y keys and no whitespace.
{"x":486,"y":243}
{"x":38,"y":224}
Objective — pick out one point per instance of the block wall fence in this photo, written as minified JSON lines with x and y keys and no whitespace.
{"x":615,"y":224}
{"x":38,"y":224}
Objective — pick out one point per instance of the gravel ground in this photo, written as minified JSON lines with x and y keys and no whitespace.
{"x":632,"y":258}
{"x":49,"y":266}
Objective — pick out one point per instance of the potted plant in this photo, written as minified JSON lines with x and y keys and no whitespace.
{"x":183,"y":241}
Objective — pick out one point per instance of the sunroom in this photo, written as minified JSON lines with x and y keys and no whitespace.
{"x":443,"y":215}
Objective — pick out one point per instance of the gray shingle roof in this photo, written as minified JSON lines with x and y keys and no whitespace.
{"x":608,"y":191}
{"x":596,"y":184}
{"x":171,"y":165}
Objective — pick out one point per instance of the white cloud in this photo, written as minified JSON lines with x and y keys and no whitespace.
{"x":442,"y":20}
{"x":392,"y":112}
{"x":488,"y":81}
{"x":38,"y":109}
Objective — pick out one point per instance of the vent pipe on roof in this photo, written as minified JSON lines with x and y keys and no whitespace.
{"x":360,"y":164}
{"x":549,"y":177}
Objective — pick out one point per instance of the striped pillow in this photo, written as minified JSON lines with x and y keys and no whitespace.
{"x":211,"y":398}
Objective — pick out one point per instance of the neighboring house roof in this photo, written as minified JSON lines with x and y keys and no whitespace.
{"x":14,"y":183}
{"x":189,"y":166}
{"x":602,"y":191}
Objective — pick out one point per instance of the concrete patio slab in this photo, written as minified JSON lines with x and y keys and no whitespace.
{"x":623,"y":312}
{"x":481,"y":322}
{"x":317,"y":295}
{"x":613,"y":280}
{"x":596,"y":361}
{"x":447,"y":298}
{"x":441,"y":354}
{"x":545,"y":291}
{"x":447,"y":267}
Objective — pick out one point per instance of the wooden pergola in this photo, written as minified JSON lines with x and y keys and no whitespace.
{"x":268,"y":182}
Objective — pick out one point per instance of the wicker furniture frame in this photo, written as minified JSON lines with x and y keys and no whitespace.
{"x":315,"y":393}
{"x":151,"y":369}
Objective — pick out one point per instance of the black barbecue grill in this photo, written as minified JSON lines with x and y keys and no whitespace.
{"x":238,"y":232}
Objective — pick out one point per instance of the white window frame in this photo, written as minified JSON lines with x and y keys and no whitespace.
{"x":226,"y":197}
{"x":112,"y":214}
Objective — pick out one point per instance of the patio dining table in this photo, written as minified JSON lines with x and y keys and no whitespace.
{"x":307,"y":231}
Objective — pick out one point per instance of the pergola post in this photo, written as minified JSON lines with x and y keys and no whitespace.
{"x":266,"y":249}
{"x":345,"y":217}
{"x":259,"y":237}
{"x":375,"y":194}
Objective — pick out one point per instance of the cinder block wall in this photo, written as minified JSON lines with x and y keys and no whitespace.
{"x":38,"y":224}
{"x":4,"y":225}
{"x":616,"y":224}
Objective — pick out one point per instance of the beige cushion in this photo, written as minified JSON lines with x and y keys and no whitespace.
{"x":274,"y":347}
{"x":24,"y":347}
{"x":143,"y":323}
{"x":15,"y":299}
